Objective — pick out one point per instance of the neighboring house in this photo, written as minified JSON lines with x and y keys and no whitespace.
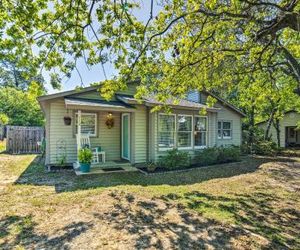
{"x":289,"y":134}
{"x":137,"y":135}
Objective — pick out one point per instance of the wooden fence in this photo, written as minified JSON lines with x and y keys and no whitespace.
{"x":24,"y":140}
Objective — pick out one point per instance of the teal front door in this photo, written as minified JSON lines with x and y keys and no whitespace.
{"x":125,"y":136}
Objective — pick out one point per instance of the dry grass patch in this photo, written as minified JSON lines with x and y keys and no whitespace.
{"x":246,"y":205}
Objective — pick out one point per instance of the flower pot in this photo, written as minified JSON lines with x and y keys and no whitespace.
{"x":67,"y":120}
{"x":85,"y":167}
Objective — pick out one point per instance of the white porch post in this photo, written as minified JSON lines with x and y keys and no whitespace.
{"x":78,"y":132}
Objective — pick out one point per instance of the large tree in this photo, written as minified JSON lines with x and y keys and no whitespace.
{"x":20,"y":108}
{"x":188,"y":44}
{"x":12,"y":75}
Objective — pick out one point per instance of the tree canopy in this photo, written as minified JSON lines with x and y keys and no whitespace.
{"x":12,"y":75}
{"x":20,"y":108}
{"x":225,"y":46}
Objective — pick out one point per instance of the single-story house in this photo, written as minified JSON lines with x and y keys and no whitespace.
{"x":125,"y":128}
{"x":289,"y":134}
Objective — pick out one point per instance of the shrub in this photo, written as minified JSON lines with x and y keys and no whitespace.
{"x":210,"y":156}
{"x":207,"y":156}
{"x":229,"y":154}
{"x":265,"y":147}
{"x":85,"y":155}
{"x":175,"y":159}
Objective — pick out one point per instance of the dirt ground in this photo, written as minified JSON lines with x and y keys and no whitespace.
{"x":254,"y":204}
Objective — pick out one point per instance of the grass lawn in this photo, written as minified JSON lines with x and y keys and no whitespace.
{"x":252,"y":204}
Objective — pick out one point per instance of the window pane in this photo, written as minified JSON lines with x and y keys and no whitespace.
{"x":226,"y":125}
{"x":226,"y":133}
{"x":200,"y":139}
{"x":166,"y":139}
{"x":166,"y":131}
{"x":184,"y":123}
{"x":184,"y":139}
{"x":200,"y":123}
{"x":219,"y":134}
{"x":88,"y":124}
{"x":219,"y":125}
{"x":166,"y":123}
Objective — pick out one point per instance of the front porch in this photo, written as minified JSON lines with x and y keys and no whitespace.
{"x":107,"y":167}
{"x":104,"y":127}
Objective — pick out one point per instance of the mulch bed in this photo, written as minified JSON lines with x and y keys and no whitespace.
{"x":161,"y":170}
{"x":53,"y":168}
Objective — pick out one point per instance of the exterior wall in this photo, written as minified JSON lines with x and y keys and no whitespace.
{"x":108,"y":139}
{"x":47,"y":132}
{"x":139,"y":137}
{"x":290,"y":120}
{"x":59,"y":132}
{"x":229,"y":115}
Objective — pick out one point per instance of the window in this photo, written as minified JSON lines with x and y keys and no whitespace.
{"x":184,"y":133}
{"x":166,"y":131}
{"x":88,"y":123}
{"x":224,"y":130}
{"x":200,"y":133}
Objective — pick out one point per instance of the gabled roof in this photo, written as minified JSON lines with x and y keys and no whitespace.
{"x":67,"y":93}
{"x":225,"y":103}
{"x":149,"y":101}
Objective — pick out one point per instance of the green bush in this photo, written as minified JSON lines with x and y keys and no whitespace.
{"x":229,"y":154}
{"x":264,"y":147}
{"x":207,"y":156}
{"x":175,"y":159}
{"x":215,"y":155}
{"x":85,"y":155}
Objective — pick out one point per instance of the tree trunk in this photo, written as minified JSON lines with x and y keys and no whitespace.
{"x":270,"y":121}
{"x":251,"y":126}
{"x":277,"y":127}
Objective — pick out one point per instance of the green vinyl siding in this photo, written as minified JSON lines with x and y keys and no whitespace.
{"x":226,"y":114}
{"x":139,"y":135}
{"x":108,"y":139}
{"x":60,"y":134}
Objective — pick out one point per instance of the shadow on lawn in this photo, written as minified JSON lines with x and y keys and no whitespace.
{"x":257,"y":221}
{"x":66,"y":181}
{"x":20,"y":231}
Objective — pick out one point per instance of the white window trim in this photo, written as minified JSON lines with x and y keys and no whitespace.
{"x":226,"y":137}
{"x":192,"y":140}
{"x":204,"y":146}
{"x":84,"y":113}
{"x":175,"y":141}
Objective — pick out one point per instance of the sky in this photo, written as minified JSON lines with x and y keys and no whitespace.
{"x":95,"y":73}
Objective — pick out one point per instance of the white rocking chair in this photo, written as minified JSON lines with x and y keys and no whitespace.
{"x":85,"y":142}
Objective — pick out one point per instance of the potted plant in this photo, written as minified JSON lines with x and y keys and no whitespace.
{"x":85,"y":156}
